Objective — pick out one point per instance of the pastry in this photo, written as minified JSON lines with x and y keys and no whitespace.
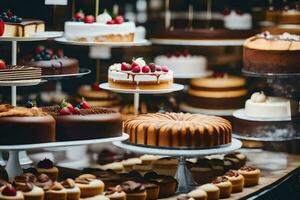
{"x":115,"y":166}
{"x":134,"y":190}
{"x":115,"y":193}
{"x":51,"y":63}
{"x":70,"y":121}
{"x":15,"y":26}
{"x":251,"y":175}
{"x":266,"y":53}
{"x":25,"y":125}
{"x":217,"y":166}
{"x":89,"y":185}
{"x":20,"y":73}
{"x":237,"y":20}
{"x":109,"y":177}
{"x":165,"y":166}
{"x":44,"y":182}
{"x":142,"y":168}
{"x":167,"y":184}
{"x":56,"y":191}
{"x":30,"y":191}
{"x":139,"y":75}
{"x":236,"y":179}
{"x":149,"y":159}
{"x":183,"y":63}
{"x":9,"y":192}
{"x":198,"y":194}
{"x":184,"y":130}
{"x":130,"y":162}
{"x":224,"y":185}
{"x":202,"y":171}
{"x":104,"y":29}
{"x":46,"y":167}
{"x":218,"y":92}
{"x":152,"y":190}
{"x":213,"y":192}
{"x":73,"y":191}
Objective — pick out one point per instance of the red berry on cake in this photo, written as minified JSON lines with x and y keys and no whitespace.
{"x":177,"y":54}
{"x":39,"y":49}
{"x":165,"y":69}
{"x":84,"y":104}
{"x":75,"y":110}
{"x":89,"y":19}
{"x":125,"y":66}
{"x":9,"y":14}
{"x":1,"y":27}
{"x":134,"y":64}
{"x":65,"y":111}
{"x":79,"y":16}
{"x":2,"y":64}
{"x":158,"y":68}
{"x":146,"y":69}
{"x":152,"y":67}
{"x":96,"y":87}
{"x":136,"y":69}
{"x":9,"y":190}
{"x":119,"y":19}
{"x":226,"y":11}
{"x":60,"y":53}
{"x":111,"y":22}
{"x":239,"y":12}
{"x":50,"y":52}
{"x":186,"y":53}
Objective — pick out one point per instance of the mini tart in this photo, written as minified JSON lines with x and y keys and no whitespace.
{"x":134,"y":190}
{"x":152,"y":190}
{"x":129,"y":163}
{"x":89,"y":185}
{"x":224,"y":185}
{"x":30,"y":191}
{"x":57,"y":192}
{"x":73,"y":191}
{"x":36,"y":193}
{"x":251,"y":175}
{"x":198,"y":194}
{"x":115,"y":193}
{"x":202,"y":171}
{"x":148,"y":159}
{"x":142,"y":168}
{"x":213,"y":192}
{"x":46,"y":167}
{"x":236,"y":179}
{"x":165,"y":166}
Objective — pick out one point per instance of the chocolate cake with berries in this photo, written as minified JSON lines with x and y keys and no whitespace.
{"x":51,"y":63}
{"x":84,"y":122}
{"x":15,"y":26}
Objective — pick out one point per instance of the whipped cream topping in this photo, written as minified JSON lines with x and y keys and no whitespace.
{"x":258,"y":97}
{"x":140,"y":61}
{"x":285,"y":36}
{"x":103,"y":18}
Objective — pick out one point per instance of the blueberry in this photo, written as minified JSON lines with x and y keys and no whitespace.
{"x":29,"y":104}
{"x":38,"y":57}
{"x":19,"y":20}
{"x":5,"y":19}
{"x":47,"y":57}
{"x":4,"y":14}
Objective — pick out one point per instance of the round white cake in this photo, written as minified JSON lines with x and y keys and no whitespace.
{"x":237,"y":21}
{"x":261,"y":106}
{"x":183,"y":64}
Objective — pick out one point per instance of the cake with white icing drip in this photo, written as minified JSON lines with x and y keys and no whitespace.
{"x":238,"y":21}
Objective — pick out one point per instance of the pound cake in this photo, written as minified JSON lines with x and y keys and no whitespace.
{"x":84,"y":122}
{"x":178,"y":130}
{"x":21,"y":125}
{"x":218,"y":92}
{"x":266,"y":53}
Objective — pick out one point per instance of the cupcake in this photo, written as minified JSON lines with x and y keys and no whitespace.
{"x":152,"y":190}
{"x":56,"y":191}
{"x":184,"y":197}
{"x":130,"y":162}
{"x":109,"y":177}
{"x":217,"y":167}
{"x":142,"y":168}
{"x":198,"y":194}
{"x":73,"y":191}
{"x":202,"y":171}
{"x":115,"y":193}
{"x":224,"y":185}
{"x":30,"y":191}
{"x":46,"y":167}
{"x":213,"y":192}
{"x":165,"y":166}
{"x":167,"y":184}
{"x":134,"y":190}
{"x":251,"y":175}
{"x":236,"y":179}
{"x":9,"y":192}
{"x":89,"y":185}
{"x":43,"y":181}
{"x":148,"y":159}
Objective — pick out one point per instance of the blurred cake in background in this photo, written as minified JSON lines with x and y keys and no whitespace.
{"x":237,"y":20}
{"x":183,"y":63}
{"x":218,"y":92}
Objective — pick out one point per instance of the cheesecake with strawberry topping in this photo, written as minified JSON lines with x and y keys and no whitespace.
{"x":139,"y":75}
{"x":105,"y":28}
{"x":84,"y":122}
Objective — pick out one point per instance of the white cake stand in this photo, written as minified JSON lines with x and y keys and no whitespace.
{"x":13,"y":166}
{"x":240,"y":114}
{"x":187,"y":108}
{"x":82,"y":72}
{"x":35,"y":37}
{"x":175,"y":87}
{"x":216,"y":42}
{"x":183,"y":175}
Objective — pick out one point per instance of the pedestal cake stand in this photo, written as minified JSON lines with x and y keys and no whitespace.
{"x":216,"y":42}
{"x":183,"y":175}
{"x":175,"y":87}
{"x":187,"y":108}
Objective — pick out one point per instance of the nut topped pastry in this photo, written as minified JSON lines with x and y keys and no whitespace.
{"x":9,"y":192}
{"x":73,"y":191}
{"x":225,"y":186}
{"x":30,"y":191}
{"x":56,"y":191}
{"x":89,"y":185}
{"x":251,"y":175}
{"x":236,"y":179}
{"x":115,"y":193}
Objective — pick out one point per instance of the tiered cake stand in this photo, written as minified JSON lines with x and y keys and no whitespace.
{"x":175,"y":87}
{"x":183,"y":175}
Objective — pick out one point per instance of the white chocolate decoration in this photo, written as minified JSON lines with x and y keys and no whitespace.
{"x":258,"y":97}
{"x":103,"y":18}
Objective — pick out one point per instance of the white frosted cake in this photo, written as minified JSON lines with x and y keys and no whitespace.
{"x":183,"y":63}
{"x":238,"y":21}
{"x":139,"y":75}
{"x":104,"y":29}
{"x":262,"y":106}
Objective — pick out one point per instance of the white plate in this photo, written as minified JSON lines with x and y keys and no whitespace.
{"x":21,"y":82}
{"x":240,"y":114}
{"x":82,"y":72}
{"x":224,"y":42}
{"x":193,"y":75}
{"x":62,"y":144}
{"x":111,"y":44}
{"x":35,"y":37}
{"x":185,"y":107}
{"x":175,"y":87}
{"x":235,"y":144}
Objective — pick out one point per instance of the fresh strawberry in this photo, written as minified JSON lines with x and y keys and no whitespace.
{"x":158,"y":68}
{"x":152,"y":67}
{"x":119,"y":19}
{"x":50,"y":52}
{"x":70,"y":106}
{"x":84,"y":104}
{"x":60,"y":53}
{"x":1,"y":27}
{"x":186,"y":53}
{"x":9,"y":14}
{"x":2,"y":64}
{"x":226,"y":11}
{"x":75,"y":110}
{"x":146,"y":69}
{"x":65,"y":111}
{"x":79,"y":16}
{"x":89,"y":19}
{"x":239,"y":12}
{"x":96,"y":87}
{"x":111,"y":22}
{"x":39,"y":49}
{"x":165,"y":69}
{"x":9,"y":190}
{"x":136,"y":69}
{"x":125,"y":66}
{"x":134,"y":64}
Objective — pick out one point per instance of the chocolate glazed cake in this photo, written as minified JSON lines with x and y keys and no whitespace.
{"x":92,"y":123}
